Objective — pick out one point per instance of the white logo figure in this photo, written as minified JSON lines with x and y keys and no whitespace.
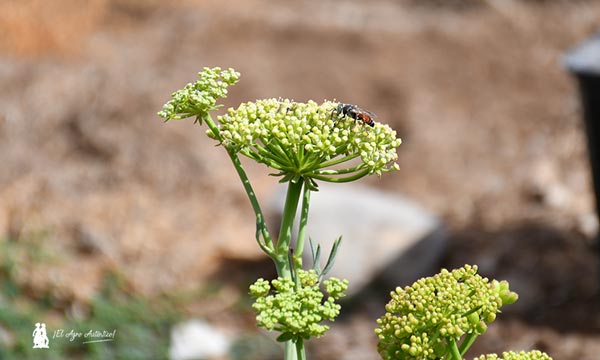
{"x":40,"y":338}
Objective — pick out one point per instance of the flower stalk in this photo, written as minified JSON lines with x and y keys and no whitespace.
{"x":454,"y":351}
{"x":267,"y":244}
{"x":284,"y":267}
{"x":300,"y":240}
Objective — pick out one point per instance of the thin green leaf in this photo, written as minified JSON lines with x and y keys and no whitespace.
{"x":292,"y":267}
{"x":316,"y":253}
{"x":332,"y":255}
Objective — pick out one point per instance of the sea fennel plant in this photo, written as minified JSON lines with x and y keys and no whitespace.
{"x":303,"y":143}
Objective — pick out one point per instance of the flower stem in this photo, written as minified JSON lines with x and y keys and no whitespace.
{"x":300,"y":352}
{"x":302,"y":229}
{"x":293,"y":350}
{"x":454,"y":353}
{"x":285,"y":232}
{"x":282,"y":258}
{"x":353,"y":177}
{"x":467,"y":342}
{"x":339,"y":171}
{"x":338,"y":160}
{"x":247,"y":186}
{"x":290,"y":351}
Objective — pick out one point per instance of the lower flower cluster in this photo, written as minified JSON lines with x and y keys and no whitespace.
{"x":422,"y":321}
{"x":532,"y":355}
{"x":297,"y":309}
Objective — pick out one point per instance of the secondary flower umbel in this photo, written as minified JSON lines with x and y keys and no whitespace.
{"x":511,"y":355}
{"x":297,"y":309}
{"x":308,"y":140}
{"x":199,"y":98}
{"x":428,"y":319}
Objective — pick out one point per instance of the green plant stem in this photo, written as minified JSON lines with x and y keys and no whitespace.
{"x":300,"y":352}
{"x":282,"y":258}
{"x":338,"y":160}
{"x":454,"y":353}
{"x":291,"y":352}
{"x":302,"y":229}
{"x":356,"y":176}
{"x":339,"y":171}
{"x":280,"y":253}
{"x":285,"y":232}
{"x":248,"y":188}
{"x":467,"y":342}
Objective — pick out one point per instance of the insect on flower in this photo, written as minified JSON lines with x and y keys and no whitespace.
{"x":356,"y":113}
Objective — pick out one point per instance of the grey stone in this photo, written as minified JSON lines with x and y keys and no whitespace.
{"x":585,"y":57}
{"x":383,"y":235}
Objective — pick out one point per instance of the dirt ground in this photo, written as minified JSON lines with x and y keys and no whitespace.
{"x":490,"y":121}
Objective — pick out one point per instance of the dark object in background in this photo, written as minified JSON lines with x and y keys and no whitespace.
{"x":584,"y":62}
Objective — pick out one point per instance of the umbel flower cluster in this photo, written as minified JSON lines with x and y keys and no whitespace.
{"x":425,"y":320}
{"x":199,"y":98}
{"x":296,"y":309}
{"x":532,"y":355}
{"x":309,"y":140}
{"x":306,"y":141}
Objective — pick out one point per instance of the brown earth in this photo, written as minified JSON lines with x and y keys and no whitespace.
{"x":490,"y":121}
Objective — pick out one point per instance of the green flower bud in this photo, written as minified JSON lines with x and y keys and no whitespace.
{"x":473,"y":318}
{"x":506,"y":296}
{"x":336,"y":287}
{"x":260,"y":288}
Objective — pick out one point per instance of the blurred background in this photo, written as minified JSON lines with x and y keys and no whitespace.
{"x":112,"y":219}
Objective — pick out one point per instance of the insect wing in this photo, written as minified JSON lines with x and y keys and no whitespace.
{"x":366,"y":112}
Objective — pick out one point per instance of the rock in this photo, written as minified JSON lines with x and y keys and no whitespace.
{"x":585,"y":57}
{"x":382,"y":235}
{"x":196,"y":339}
{"x":587,"y":224}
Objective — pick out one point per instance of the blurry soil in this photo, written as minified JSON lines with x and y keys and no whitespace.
{"x":490,"y":121}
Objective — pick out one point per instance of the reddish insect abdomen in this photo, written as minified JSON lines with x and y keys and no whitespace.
{"x":366,"y":118}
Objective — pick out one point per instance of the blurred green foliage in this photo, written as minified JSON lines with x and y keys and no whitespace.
{"x":142,"y":325}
